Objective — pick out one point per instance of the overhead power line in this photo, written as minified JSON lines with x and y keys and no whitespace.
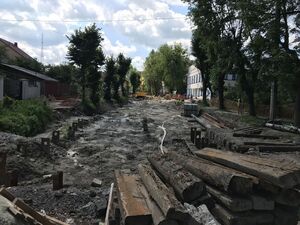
{"x":93,"y":20}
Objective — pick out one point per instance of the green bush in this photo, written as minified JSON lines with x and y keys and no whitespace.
{"x":88,"y":107}
{"x":25,"y":117}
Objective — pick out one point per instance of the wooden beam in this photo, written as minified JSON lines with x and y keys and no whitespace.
{"x":217,"y":175}
{"x":164,"y":198}
{"x":109,"y":204}
{"x":256,"y":136}
{"x":187,"y":186}
{"x":235,"y":204}
{"x":157,"y":215}
{"x":133,"y":206}
{"x":247,"y":218}
{"x":283,"y":173}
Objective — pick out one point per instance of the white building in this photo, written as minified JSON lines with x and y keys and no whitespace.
{"x":195,"y":84}
{"x":230,"y":80}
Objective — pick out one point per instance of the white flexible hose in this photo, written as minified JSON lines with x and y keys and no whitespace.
{"x":165,"y":133}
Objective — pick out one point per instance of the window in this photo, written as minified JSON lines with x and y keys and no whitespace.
{"x":32,"y":83}
{"x":233,"y":77}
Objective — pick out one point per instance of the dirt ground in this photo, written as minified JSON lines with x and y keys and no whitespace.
{"x":116,"y":140}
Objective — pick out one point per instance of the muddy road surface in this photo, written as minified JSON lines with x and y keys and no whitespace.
{"x":116,"y":140}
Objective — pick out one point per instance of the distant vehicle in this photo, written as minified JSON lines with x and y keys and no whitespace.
{"x":140,"y":94}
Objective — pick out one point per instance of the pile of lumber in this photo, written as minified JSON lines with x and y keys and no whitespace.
{"x":248,"y":189}
{"x":282,"y":127}
{"x":21,"y":211}
{"x":237,"y":189}
{"x":217,"y":122}
{"x":240,"y":140}
{"x":145,"y":199}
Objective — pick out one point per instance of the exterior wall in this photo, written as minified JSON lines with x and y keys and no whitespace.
{"x":230,"y":80}
{"x":31,"y":89}
{"x":1,"y":87}
{"x":195,"y":84}
{"x":12,"y":88}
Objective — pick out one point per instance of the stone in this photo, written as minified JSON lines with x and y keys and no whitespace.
{"x":96,"y":183}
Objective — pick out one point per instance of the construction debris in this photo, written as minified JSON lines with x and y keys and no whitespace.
{"x":24,"y":212}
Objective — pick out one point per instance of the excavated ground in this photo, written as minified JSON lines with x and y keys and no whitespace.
{"x":116,"y":140}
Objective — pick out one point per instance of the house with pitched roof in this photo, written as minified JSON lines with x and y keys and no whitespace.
{"x":20,"y":83}
{"x":12,"y":51}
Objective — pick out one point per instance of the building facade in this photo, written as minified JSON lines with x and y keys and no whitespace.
{"x":195,"y":84}
{"x":20,"y":83}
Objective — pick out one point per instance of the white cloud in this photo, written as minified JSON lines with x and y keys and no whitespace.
{"x":151,"y":33}
{"x":138,"y":62}
{"x":142,"y":35}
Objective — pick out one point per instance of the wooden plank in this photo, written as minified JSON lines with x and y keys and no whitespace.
{"x":109,"y":204}
{"x":290,"y":197}
{"x":235,"y":204}
{"x":284,"y":173}
{"x":248,"y":218}
{"x":274,"y":148}
{"x":164,"y":198}
{"x":6,"y":194}
{"x":30,"y":211}
{"x":133,"y":206}
{"x":262,"y":203}
{"x":157,"y":215}
{"x":217,"y":175}
{"x":285,"y":215}
{"x":187,"y":186}
{"x":255,"y":136}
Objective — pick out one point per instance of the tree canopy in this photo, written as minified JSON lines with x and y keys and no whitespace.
{"x":251,"y":39}
{"x":169,"y":64}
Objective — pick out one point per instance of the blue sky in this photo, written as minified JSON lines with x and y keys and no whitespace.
{"x":24,"y":21}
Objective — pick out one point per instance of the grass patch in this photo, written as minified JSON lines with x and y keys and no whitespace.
{"x":251,"y":120}
{"x":24,"y":117}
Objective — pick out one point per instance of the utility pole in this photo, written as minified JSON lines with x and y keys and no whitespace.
{"x":42,"y":48}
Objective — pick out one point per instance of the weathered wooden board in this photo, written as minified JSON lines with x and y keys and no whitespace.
{"x":157,"y":215}
{"x":217,"y":175}
{"x":134,"y":208}
{"x":187,"y":186}
{"x":247,"y":218}
{"x":284,"y":173}
{"x":164,"y":198}
{"x":235,"y":204}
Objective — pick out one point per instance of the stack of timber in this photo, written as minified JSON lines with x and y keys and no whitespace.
{"x":144,"y":199}
{"x":247,"y":189}
{"x":240,"y":140}
{"x":282,"y":127}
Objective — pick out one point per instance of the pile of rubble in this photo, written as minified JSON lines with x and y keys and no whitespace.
{"x":236,"y":188}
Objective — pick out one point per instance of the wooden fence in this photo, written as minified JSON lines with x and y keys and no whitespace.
{"x":285,"y":111}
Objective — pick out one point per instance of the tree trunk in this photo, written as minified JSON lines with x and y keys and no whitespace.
{"x":83,"y":84}
{"x":272,"y":102}
{"x":297,"y":108}
{"x":250,"y":95}
{"x":204,"y":82}
{"x":221,"y":92}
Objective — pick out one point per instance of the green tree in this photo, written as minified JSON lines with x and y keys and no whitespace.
{"x":65,"y":73}
{"x":110,"y":71}
{"x":168,"y":64}
{"x":135,"y":79}
{"x":29,"y":64}
{"x":85,"y":51}
{"x":202,"y":62}
{"x":123,"y":68}
{"x":153,"y":73}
